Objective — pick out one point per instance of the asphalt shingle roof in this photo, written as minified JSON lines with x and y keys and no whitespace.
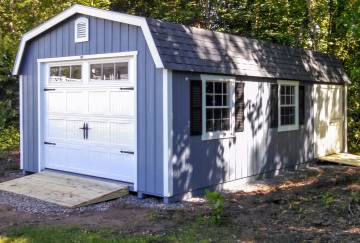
{"x":192,"y":49}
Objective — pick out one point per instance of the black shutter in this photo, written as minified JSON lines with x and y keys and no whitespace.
{"x":195,"y":107}
{"x":239,"y":107}
{"x":274,"y":106}
{"x":301,"y":104}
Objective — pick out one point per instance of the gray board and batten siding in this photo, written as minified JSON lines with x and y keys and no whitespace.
{"x":256,"y":150}
{"x":104,"y":37}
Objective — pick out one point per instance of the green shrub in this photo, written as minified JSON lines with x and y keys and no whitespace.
{"x":9,"y":139}
{"x":327,"y":199}
{"x":355,"y":196}
{"x":216,"y":201}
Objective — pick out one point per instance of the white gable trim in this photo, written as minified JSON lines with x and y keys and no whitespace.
{"x":90,"y":11}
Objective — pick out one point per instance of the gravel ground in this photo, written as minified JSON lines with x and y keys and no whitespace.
{"x":35,"y":206}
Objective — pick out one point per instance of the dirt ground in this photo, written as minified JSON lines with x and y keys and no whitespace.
{"x":320,"y":203}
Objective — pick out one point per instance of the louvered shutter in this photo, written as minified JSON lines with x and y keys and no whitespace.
{"x":81,"y":29}
{"x":239,"y":107}
{"x":274,"y":106}
{"x":195,"y":107}
{"x":301,"y":104}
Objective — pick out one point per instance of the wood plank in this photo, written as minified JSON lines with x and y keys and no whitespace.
{"x":64,"y":189}
{"x":342,"y":158}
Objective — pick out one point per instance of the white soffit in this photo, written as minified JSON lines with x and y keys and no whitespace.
{"x":95,"y":12}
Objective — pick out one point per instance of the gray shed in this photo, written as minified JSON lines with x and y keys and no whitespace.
{"x":171,"y":109}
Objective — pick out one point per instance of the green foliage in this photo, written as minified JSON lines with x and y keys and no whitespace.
{"x":9,"y":139}
{"x":327,"y":199}
{"x":191,"y":233}
{"x":216,"y":201}
{"x":355,"y":196}
{"x":296,"y":206}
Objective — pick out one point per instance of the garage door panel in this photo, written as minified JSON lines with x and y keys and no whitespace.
{"x":98,"y":102}
{"x":56,"y":102}
{"x":56,"y":128}
{"x":122,"y":133}
{"x":54,"y":155}
{"x":126,"y":162}
{"x":122,"y":103}
{"x":76,"y":102}
{"x":73,"y":131}
{"x":99,"y":131}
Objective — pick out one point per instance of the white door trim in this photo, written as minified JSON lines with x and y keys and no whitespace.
{"x":43,"y":65}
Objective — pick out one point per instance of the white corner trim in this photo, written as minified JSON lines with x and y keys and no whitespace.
{"x":220,"y":134}
{"x":86,"y":22}
{"x":167,"y":133}
{"x":90,"y":11}
{"x":345,"y":118}
{"x":284,"y":128}
{"x":21,"y":109}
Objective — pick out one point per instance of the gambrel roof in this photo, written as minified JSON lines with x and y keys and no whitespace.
{"x":182,"y":48}
{"x":193,"y":49}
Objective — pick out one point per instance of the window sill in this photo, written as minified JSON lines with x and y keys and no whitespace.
{"x":217,"y":135}
{"x":288,"y":128}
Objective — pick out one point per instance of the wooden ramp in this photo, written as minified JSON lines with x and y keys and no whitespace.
{"x":342,"y":158}
{"x":65,"y":190}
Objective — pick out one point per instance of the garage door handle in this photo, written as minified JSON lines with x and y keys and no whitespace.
{"x":84,"y":130}
{"x":46,"y":89}
{"x":127,"y":88}
{"x":126,"y":152}
{"x":48,"y":143}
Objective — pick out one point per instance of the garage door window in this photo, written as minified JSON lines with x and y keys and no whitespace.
{"x":65,"y":74}
{"x":109,"y":71}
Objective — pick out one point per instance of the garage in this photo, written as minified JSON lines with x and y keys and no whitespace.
{"x":171,"y":109}
{"x":89,"y":118}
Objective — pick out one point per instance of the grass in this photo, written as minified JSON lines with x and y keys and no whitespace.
{"x":198,"y":231}
{"x":61,"y":234}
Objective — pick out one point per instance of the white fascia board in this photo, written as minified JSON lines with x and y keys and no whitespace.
{"x":94,"y":12}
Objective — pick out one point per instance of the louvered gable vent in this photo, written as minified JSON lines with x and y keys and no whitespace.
{"x":81,"y":29}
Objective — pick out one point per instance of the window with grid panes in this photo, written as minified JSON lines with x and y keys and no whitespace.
{"x":217,"y":106}
{"x":287,"y":105}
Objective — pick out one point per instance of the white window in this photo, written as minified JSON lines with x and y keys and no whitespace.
{"x":81,"y":29}
{"x":65,"y":74}
{"x":218,"y":106}
{"x":112,"y":71}
{"x":288,"y":104}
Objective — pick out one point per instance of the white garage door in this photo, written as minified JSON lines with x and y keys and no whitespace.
{"x":90,"y":120}
{"x":329,"y":119}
